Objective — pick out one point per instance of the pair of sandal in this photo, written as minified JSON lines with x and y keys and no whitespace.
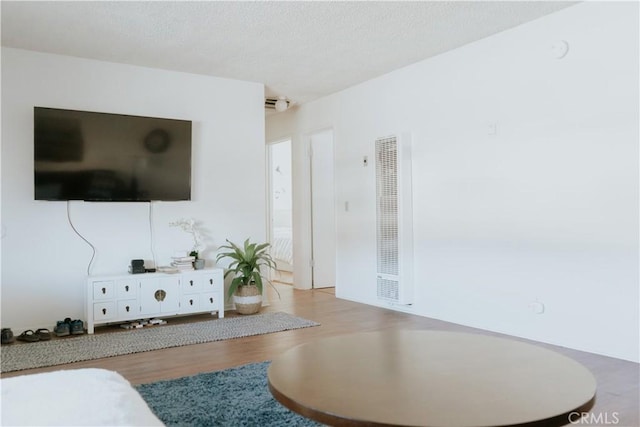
{"x":41,"y":334}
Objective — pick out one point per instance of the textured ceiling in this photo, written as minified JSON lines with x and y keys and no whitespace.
{"x":302,"y":50}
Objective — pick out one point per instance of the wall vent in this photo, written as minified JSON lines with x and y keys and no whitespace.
{"x":270,"y":103}
{"x":394,"y":219}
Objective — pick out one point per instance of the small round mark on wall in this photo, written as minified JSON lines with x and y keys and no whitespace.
{"x":560,"y":49}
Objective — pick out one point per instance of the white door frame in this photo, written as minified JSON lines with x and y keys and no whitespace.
{"x":329,"y":272}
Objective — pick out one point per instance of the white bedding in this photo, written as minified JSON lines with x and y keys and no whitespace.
{"x":282,"y":245}
{"x":76,"y":397}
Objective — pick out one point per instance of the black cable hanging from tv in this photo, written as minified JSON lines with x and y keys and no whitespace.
{"x":93,"y":248}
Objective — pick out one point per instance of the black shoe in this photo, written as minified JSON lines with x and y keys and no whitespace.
{"x":62,"y":329}
{"x":77,"y":327}
{"x":7,"y":336}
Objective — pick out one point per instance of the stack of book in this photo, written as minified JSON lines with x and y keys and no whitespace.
{"x":183,"y":263}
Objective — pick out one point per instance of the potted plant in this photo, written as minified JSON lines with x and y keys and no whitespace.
{"x":198,"y":263}
{"x":247,"y":261}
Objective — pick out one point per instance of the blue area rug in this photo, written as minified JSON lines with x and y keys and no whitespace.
{"x":233,"y":397}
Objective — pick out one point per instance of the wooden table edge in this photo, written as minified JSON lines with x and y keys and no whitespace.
{"x":339,"y":421}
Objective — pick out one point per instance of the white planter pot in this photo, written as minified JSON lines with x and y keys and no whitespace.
{"x":247,"y":299}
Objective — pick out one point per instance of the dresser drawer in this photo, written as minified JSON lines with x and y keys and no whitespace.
{"x":127,"y":289}
{"x":104,"y":311}
{"x":103,"y":290}
{"x":190,"y":303}
{"x":211,"y":302}
{"x":127,"y":308}
{"x":213,"y":281}
{"x":192,"y":283}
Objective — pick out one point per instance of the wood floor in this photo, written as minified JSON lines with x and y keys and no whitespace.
{"x":618,"y":380}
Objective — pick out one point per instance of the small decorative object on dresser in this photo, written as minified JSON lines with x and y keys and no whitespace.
{"x":198,"y":263}
{"x":137,"y":266}
{"x":246,"y":286}
{"x":190,"y":226}
{"x":113,"y":299}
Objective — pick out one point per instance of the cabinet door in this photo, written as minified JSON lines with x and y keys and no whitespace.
{"x":159,"y":296}
{"x":192,"y":283}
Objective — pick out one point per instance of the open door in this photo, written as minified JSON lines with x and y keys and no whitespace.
{"x":281,"y":213}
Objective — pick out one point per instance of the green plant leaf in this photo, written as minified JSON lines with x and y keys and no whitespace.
{"x":258,"y":280}
{"x":235,"y":283}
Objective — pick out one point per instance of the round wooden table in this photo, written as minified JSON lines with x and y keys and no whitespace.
{"x":430,"y":378}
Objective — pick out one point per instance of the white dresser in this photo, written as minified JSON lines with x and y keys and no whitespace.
{"x":111,"y":299}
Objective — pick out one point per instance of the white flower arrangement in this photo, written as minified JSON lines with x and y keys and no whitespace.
{"x":189,"y":225}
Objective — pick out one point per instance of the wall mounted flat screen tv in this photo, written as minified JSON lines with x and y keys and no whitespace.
{"x":83,"y":155}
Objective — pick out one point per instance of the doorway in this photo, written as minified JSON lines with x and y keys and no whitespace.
{"x":281,"y":210}
{"x":323,"y":215}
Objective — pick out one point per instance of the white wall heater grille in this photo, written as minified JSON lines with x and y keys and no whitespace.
{"x":394,"y":219}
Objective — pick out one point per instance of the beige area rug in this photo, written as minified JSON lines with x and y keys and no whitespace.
{"x":16,"y":357}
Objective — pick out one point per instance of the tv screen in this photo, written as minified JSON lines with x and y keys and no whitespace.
{"x":82,"y":155}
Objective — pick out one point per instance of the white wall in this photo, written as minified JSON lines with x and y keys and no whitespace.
{"x":544,"y":209}
{"x":44,"y":264}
